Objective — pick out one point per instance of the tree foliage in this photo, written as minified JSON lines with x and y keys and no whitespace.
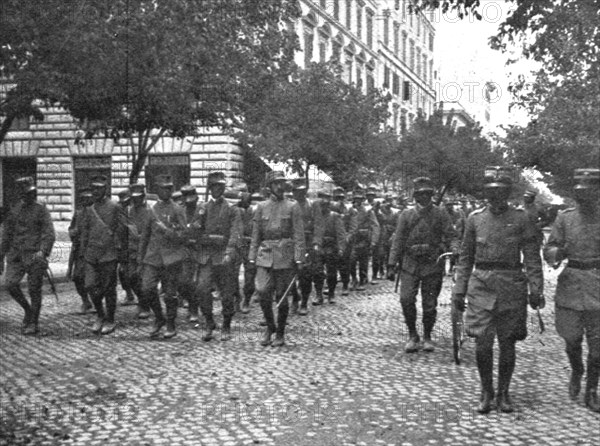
{"x":315,"y":118}
{"x":453,"y":158}
{"x":141,"y":69}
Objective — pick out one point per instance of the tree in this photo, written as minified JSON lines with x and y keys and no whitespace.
{"x":453,"y":159}
{"x":315,"y":118}
{"x":143,"y":69}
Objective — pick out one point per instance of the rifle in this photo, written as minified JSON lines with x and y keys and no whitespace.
{"x":50,"y":277}
{"x":287,"y":290}
{"x":397,"y":271}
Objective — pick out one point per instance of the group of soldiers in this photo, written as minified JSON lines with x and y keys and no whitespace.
{"x":170,"y":253}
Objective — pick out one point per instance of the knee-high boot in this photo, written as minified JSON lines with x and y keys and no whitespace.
{"x":506,"y":366}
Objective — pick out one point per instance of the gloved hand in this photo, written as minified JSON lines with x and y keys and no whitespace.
{"x":458,"y":300}
{"x":537,"y":301}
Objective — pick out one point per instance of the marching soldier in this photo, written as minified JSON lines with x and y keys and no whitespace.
{"x":313,"y":233}
{"x":490,"y":274}
{"x":387,"y":224}
{"x":535,"y":213}
{"x":349,"y":222}
{"x":123,"y":269}
{"x":162,"y":253}
{"x":216,"y":252}
{"x":576,"y":237}
{"x":277,"y":247}
{"x":27,"y":241}
{"x":458,"y":219}
{"x":246,"y":209}
{"x":422,"y":234}
{"x":139,"y":215}
{"x":334,"y":246}
{"x":363,"y":240}
{"x":194,"y":217}
{"x":377,"y":266}
{"x":104,"y":239}
{"x":76,"y":267}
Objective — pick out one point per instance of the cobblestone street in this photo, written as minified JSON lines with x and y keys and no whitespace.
{"x":342,"y":379}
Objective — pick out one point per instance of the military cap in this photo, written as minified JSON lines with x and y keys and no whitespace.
{"x":85,"y":192}
{"x":137,"y":190}
{"x":530,"y":193}
{"x":239,"y":187}
{"x":26,"y":184}
{"x":497,"y":176}
{"x":339,"y":192}
{"x":586,"y":178}
{"x":189,"y":194}
{"x":299,"y":184}
{"x":358,"y":193}
{"x":324,"y":193}
{"x":232,"y":194}
{"x":274,"y":175}
{"x":372,"y":190}
{"x":124,"y":196}
{"x":257,"y":196}
{"x":423,"y":184}
{"x":217,"y":177}
{"x":164,"y":181}
{"x":177,"y":195}
{"x":99,"y":181}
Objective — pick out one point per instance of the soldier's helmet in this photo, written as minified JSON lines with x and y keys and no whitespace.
{"x":274,"y":175}
{"x":586,"y":178}
{"x":299,"y":184}
{"x":498,"y":176}
{"x":339,"y":192}
{"x":423,"y":184}
{"x":164,"y":181}
{"x":137,"y":190}
{"x":26,"y":184}
{"x":189,"y":194}
{"x":216,"y":178}
{"x":99,"y":181}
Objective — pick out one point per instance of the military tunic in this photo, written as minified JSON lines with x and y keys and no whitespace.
{"x":364,"y":238}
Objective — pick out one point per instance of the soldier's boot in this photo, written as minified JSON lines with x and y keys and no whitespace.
{"x":303,"y":311}
{"x":485,"y":367}
{"x":506,"y":367}
{"x":331,"y":296}
{"x":193,"y":317}
{"x":108,"y":327}
{"x":159,"y":318}
{"x":171,"y":305}
{"x":210,"y":327}
{"x":19,"y":297}
{"x":576,"y":361}
{"x":245,"y":305}
{"x":294,"y":307}
{"x":412,"y":346}
{"x":36,"y":307}
{"x":226,"y":329}
{"x":143,"y":312}
{"x":591,"y":385}
{"x":129,"y":298}
{"x":280,"y":331}
{"x":269,"y":321}
{"x":319,"y":298}
{"x":428,"y":345}
{"x":345,"y":290}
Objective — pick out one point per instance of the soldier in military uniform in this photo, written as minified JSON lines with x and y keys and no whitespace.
{"x":377,"y":261}
{"x":363,"y":239}
{"x":104,"y":241}
{"x":277,"y":248}
{"x":27,"y":241}
{"x":123,"y":269}
{"x":458,"y":219}
{"x":490,"y":274}
{"x":162,"y":253}
{"x":313,"y":233}
{"x":422,"y":234}
{"x":76,"y":266}
{"x":216,"y":251}
{"x":194,"y":217}
{"x":349,"y":222}
{"x":535,"y":213}
{"x":334,"y":246}
{"x":576,"y":237}
{"x":139,"y":215}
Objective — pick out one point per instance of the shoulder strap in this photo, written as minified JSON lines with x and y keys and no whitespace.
{"x":102,"y":222}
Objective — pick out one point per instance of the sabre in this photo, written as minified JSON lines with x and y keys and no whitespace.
{"x":287,"y":290}
{"x":50,"y":278}
{"x":446,"y":254}
{"x":541,"y":321}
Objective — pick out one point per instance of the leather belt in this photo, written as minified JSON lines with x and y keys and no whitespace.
{"x":489,"y":266}
{"x":584,"y":264}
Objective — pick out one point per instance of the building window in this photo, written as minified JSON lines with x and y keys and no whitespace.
{"x":349,"y":14}
{"x":323,"y":47}
{"x":396,"y":39}
{"x":418,"y":19}
{"x":431,"y":42}
{"x":404,"y":11}
{"x":348,"y":68}
{"x":418,"y":62}
{"x":406,"y":93}
{"x":20,"y":124}
{"x":395,"y":118}
{"x":336,"y":9}
{"x":370,"y":29}
{"x":424,"y":68}
{"x":396,"y":84}
{"x":359,"y":76}
{"x":431,"y":72}
{"x":386,"y":29}
{"x":309,"y":37}
{"x":323,"y":4}
{"x":336,"y":53}
{"x":404,"y":43}
{"x":412,"y":55}
{"x":359,"y":21}
{"x":370,"y":80}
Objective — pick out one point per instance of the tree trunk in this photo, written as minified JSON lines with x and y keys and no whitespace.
{"x":146,"y":143}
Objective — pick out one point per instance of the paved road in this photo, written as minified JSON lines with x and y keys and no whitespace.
{"x":342,"y":379}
